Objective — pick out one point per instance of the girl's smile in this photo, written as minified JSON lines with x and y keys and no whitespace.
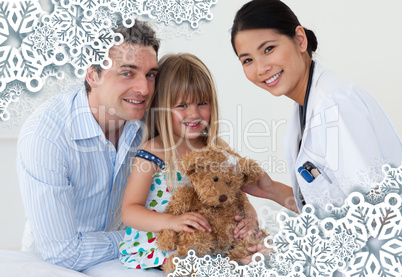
{"x":192,"y":125}
{"x":190,"y":120}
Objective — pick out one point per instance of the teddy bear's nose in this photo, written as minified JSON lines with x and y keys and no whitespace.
{"x":223,"y":198}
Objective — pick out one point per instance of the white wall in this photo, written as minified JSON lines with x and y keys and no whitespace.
{"x":11,"y":209}
{"x":359,"y":40}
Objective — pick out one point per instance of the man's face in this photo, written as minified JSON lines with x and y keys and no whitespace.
{"x":123,"y":91}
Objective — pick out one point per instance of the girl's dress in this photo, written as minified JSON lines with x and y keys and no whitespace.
{"x":139,"y":249}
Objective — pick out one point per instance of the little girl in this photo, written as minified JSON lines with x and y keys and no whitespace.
{"x":182,"y":118}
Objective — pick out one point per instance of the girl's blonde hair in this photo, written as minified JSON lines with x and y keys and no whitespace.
{"x":182,"y":77}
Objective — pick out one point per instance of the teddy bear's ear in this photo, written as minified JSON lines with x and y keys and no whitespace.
{"x":251,"y":170}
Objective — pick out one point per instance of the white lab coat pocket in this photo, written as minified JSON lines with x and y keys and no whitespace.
{"x":321,"y":191}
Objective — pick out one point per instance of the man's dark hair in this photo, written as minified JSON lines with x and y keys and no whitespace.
{"x":139,"y":34}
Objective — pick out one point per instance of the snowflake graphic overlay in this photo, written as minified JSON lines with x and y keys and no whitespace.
{"x":85,"y":28}
{"x":377,"y":216}
{"x":17,"y":59}
{"x":361,"y":238}
{"x":35,"y":45}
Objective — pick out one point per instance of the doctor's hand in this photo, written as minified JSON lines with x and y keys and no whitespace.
{"x":258,"y":248}
{"x":275,"y":191}
{"x":261,"y":188}
{"x":246,"y":226}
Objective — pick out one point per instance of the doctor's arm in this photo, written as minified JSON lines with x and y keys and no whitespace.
{"x":49,"y":203}
{"x":273,"y":190}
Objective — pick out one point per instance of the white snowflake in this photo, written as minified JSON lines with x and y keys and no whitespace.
{"x":343,"y":245}
{"x":191,"y":11}
{"x":393,"y":180}
{"x":17,"y":59}
{"x":44,"y":37}
{"x":361,"y":238}
{"x":189,"y":265}
{"x":215,"y":267}
{"x":19,"y":110}
{"x":375,"y":218}
{"x":382,"y":254}
{"x":35,"y":45}
{"x":267,"y":217}
{"x":258,"y":269}
{"x":9,"y":95}
{"x":28,"y":46}
{"x":85,"y":28}
{"x":280,"y":264}
{"x":301,"y":241}
{"x":128,"y":8}
{"x":375,"y":196}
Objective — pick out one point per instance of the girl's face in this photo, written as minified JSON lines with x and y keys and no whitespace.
{"x":274,"y":61}
{"x":189,"y":120}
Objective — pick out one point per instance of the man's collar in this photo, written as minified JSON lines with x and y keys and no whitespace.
{"x":83,"y":124}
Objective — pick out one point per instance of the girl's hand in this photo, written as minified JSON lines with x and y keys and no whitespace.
{"x":246,"y":226}
{"x":190,"y":221}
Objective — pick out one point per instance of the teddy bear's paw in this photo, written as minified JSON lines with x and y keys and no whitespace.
{"x":204,"y":248}
{"x":166,"y":240}
{"x":167,"y":246}
{"x":169,"y":266}
{"x":239,"y":252}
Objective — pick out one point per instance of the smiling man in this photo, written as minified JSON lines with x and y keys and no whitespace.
{"x":74,"y":156}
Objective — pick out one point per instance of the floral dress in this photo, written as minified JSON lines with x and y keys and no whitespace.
{"x":139,"y":249}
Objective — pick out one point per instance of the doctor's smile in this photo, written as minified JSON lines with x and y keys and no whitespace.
{"x":276,"y":54}
{"x":272,"y":81}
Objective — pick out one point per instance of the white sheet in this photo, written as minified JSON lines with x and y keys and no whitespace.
{"x":18,"y":263}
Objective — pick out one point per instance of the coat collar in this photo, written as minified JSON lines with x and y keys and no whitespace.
{"x":293,"y":133}
{"x":317,"y":73}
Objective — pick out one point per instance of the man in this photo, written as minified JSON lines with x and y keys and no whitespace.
{"x":74,"y":155}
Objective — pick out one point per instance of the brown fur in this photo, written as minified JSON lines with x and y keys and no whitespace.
{"x":203,"y":197}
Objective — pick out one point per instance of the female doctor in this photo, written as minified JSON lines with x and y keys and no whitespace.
{"x":337,"y":130}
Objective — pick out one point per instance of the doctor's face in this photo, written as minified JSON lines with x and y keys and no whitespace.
{"x":274,"y":61}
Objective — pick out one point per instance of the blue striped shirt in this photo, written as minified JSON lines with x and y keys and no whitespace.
{"x":72,"y":181}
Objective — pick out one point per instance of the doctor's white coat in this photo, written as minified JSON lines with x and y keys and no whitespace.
{"x":347,"y":137}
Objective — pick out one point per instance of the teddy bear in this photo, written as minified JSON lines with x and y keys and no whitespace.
{"x":216,"y":175}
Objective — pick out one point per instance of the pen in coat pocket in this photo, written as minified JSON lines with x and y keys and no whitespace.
{"x":305,"y":174}
{"x":315,"y":171}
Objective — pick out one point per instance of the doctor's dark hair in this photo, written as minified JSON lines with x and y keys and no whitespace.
{"x":139,"y":34}
{"x":270,"y":14}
